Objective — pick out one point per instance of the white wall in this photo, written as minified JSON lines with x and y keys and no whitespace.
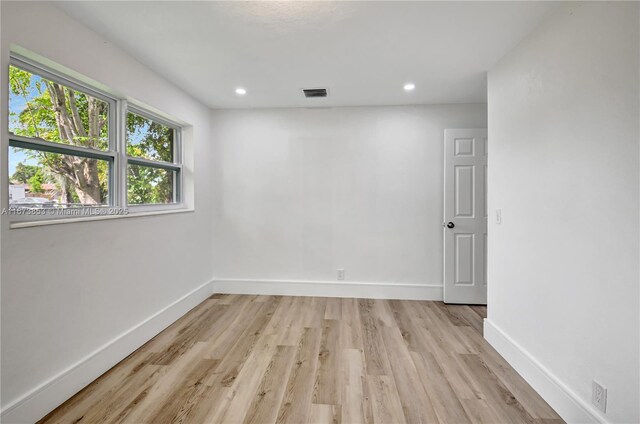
{"x":303,"y":192}
{"x":67,"y":290}
{"x":563,"y":167}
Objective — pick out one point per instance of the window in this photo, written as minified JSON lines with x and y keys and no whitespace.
{"x":152,"y":173}
{"x":64,"y":180}
{"x":66,"y":152}
{"x":52,"y":111}
{"x":150,"y":185}
{"x":149,"y":139}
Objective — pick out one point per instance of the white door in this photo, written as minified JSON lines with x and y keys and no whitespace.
{"x":465,"y":216}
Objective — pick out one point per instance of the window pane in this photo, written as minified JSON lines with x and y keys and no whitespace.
{"x":51,"y":111}
{"x":148,"y":139}
{"x":42,"y":179}
{"x":147,"y":185}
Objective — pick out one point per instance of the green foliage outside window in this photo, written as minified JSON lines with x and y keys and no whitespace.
{"x":149,"y":140}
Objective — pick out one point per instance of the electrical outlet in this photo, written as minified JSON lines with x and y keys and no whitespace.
{"x":341,"y":274}
{"x":599,"y":396}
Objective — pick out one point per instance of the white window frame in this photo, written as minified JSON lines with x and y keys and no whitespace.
{"x":174,"y":166}
{"x":116,"y":155}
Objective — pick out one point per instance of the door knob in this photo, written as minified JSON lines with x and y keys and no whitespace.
{"x":450,"y":224}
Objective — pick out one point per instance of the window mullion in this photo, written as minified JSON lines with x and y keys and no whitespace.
{"x":113,"y":147}
{"x":121,"y":150}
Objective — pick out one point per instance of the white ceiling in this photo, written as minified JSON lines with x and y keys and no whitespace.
{"x":363,"y":52}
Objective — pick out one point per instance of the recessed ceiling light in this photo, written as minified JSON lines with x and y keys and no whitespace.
{"x":409,"y":86}
{"x":241,"y":91}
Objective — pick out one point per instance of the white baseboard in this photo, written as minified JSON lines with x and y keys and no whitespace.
{"x":44,"y":398}
{"x":562,"y":399}
{"x":329,"y":289}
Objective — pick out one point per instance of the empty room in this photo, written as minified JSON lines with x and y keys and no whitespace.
{"x":227,"y":212}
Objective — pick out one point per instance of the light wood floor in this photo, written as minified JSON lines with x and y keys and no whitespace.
{"x":267,"y":359}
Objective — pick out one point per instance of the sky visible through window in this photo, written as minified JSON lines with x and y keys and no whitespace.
{"x":16,"y":105}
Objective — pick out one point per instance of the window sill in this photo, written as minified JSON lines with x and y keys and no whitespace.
{"x":58,"y":221}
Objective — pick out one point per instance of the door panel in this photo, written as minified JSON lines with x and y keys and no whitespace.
{"x":464,"y":147}
{"x":464,"y":191}
{"x":465,"y":207}
{"x":464,"y":259}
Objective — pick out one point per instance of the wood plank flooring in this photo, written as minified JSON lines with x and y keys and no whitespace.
{"x":271,"y":359}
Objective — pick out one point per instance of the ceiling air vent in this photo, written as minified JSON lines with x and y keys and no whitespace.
{"x":314,"y":92}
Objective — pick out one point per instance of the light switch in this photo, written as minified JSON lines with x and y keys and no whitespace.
{"x":498,"y":216}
